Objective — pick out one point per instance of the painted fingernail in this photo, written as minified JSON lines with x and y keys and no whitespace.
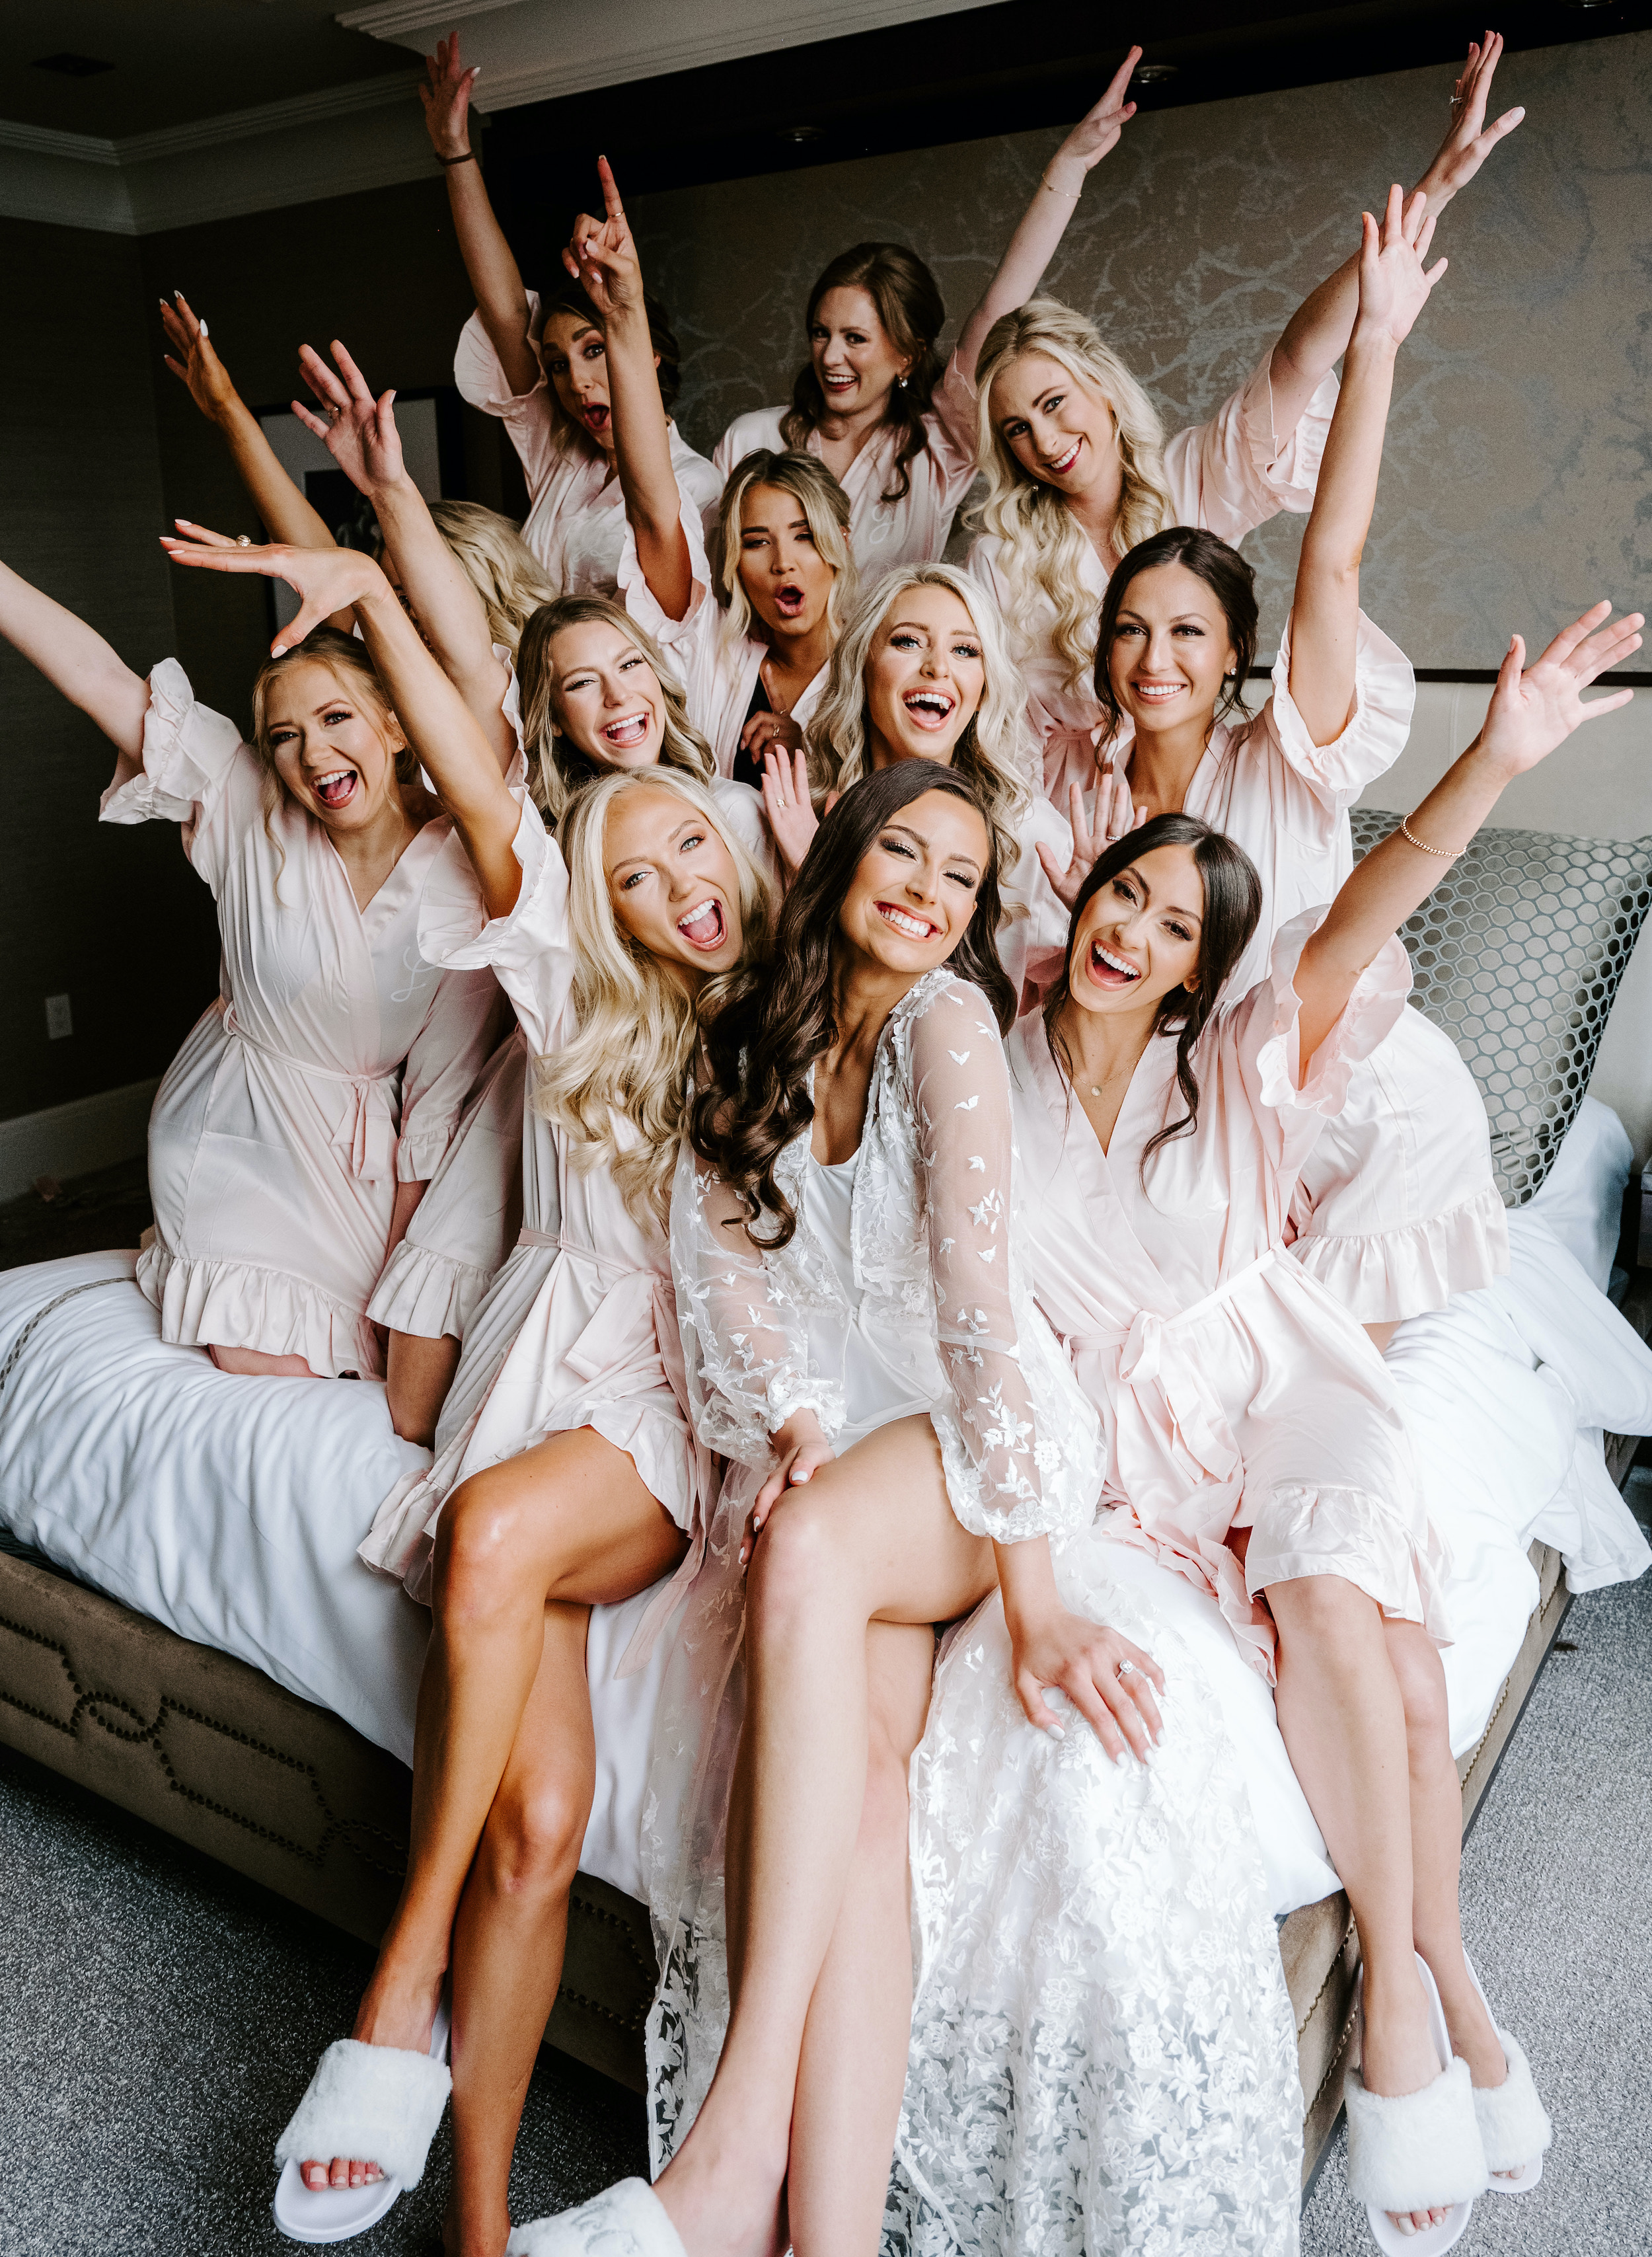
{"x":1056,"y":1731}
{"x":204,"y":330}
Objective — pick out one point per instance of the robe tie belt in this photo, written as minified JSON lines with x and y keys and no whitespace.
{"x":367,"y":1138}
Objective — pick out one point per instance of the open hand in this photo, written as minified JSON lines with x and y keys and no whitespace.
{"x":786,"y":796}
{"x":446,"y":98}
{"x":358,"y":431}
{"x":1115,"y":816}
{"x":1470,"y":141}
{"x":603,"y":257}
{"x":1532,"y":711}
{"x":1394,"y":283}
{"x":1085,"y":1660}
{"x":197,"y":365}
{"x":324,"y":580}
{"x":1095,"y":133}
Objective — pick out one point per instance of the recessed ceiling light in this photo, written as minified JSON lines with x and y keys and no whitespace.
{"x":71,"y":66}
{"x":1155,"y":74}
{"x":802,"y":133}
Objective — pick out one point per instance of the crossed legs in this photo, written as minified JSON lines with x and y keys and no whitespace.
{"x":812,"y":2068}
{"x":1363,"y":1711}
{"x":503,"y":1773}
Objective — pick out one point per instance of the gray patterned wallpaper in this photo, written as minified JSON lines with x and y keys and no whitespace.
{"x":1517,"y":485}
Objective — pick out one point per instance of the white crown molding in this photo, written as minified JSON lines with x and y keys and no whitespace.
{"x":548,"y":48}
{"x":327,"y":103}
{"x":45,"y":141}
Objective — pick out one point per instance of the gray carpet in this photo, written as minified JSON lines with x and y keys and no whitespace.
{"x":163,"y":2015}
{"x":161,"y":2019}
{"x":1557,"y":1915}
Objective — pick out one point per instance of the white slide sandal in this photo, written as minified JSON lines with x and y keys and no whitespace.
{"x":1514,"y":2126}
{"x":626,"y":2220}
{"x":382,"y":2103}
{"x":1418,"y":2150}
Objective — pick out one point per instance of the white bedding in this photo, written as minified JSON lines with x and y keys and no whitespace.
{"x":230,"y":1508}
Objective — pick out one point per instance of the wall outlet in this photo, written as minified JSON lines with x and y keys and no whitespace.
{"x":60,"y":1021}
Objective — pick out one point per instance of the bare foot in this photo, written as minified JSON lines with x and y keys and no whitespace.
{"x":396,"y":2010}
{"x":1397,"y":2055}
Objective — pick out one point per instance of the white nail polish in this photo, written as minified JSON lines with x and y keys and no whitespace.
{"x":204,"y":331}
{"x":1056,"y":1731}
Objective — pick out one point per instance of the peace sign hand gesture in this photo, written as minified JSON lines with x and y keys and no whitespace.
{"x":603,"y":257}
{"x":357,"y":431}
{"x":1393,"y":284}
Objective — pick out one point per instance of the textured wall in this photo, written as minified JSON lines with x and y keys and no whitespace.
{"x":112,"y":917}
{"x":1517,"y":474}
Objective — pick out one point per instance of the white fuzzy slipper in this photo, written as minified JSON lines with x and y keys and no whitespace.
{"x":1417,"y":2150}
{"x":1514,"y":2126}
{"x":626,"y":2220}
{"x":382,"y":2103}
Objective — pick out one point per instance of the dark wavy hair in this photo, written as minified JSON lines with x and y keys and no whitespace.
{"x":564,"y":296}
{"x":1233,"y":905}
{"x":760,"y":1046}
{"x":914,"y":314}
{"x":1224,"y":572}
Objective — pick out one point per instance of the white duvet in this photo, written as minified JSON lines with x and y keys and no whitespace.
{"x":230,"y":1508}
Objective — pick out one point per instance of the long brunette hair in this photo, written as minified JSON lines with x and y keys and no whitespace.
{"x":761,"y":1046}
{"x":1233,"y":904}
{"x":914,"y":314}
{"x":1229,"y":578}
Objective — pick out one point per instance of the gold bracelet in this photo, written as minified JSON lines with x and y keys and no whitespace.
{"x":1445,"y":854}
{"x":1044,"y":181}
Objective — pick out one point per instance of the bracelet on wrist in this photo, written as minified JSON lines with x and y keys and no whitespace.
{"x":468,"y":158}
{"x":1444,"y":853}
{"x":1072,"y":194}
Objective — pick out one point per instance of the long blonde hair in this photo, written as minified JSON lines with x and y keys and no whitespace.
{"x":634,"y":1057}
{"x":499,"y":565}
{"x":1043,"y":545}
{"x":823,"y":503}
{"x":557,"y":766}
{"x":993,"y":753}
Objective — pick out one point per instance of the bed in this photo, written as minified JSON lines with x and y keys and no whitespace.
{"x":185,"y":1627}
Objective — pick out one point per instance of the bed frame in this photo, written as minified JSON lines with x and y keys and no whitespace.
{"x":219,"y":1755}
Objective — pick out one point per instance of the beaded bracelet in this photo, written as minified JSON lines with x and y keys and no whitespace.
{"x":1445,"y":854}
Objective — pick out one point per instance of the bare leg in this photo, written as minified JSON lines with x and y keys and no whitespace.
{"x":1343,"y":1719}
{"x":872,"y":1537}
{"x":853,"y":2066}
{"x":569,"y":1521}
{"x":512,"y":1925}
{"x":1437,"y":1845}
{"x":418,"y":1373}
{"x":1381,"y":1334}
{"x":252,"y":1364}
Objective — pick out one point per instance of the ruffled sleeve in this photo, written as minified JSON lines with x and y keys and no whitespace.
{"x":462,"y":1025}
{"x":960,"y":1105}
{"x":530,"y":953}
{"x":951,"y":425}
{"x":695,"y":644}
{"x":1262,"y":1028}
{"x":1384,"y":698}
{"x":1233,"y":473}
{"x":527,"y":415}
{"x":744,"y":1337}
{"x":196,"y":771}
{"x":511,"y":708}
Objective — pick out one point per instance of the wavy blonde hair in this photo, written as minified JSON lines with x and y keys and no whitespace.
{"x":557,"y":766}
{"x":632,"y":1060}
{"x":499,"y":565}
{"x":823,"y":503}
{"x":1043,"y":545}
{"x":993,"y":754}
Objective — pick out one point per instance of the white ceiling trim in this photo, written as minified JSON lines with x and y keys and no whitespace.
{"x":45,"y":141}
{"x":389,"y":19}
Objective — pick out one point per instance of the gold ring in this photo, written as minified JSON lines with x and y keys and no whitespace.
{"x":243,"y":540}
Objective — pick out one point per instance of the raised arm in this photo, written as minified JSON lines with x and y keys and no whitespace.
{"x":433,"y":717}
{"x":1530,"y":713}
{"x":360,"y":435}
{"x":1316,"y":334}
{"x":283,"y":511}
{"x":75,"y":659}
{"x":1043,"y":223}
{"x":495,"y":277}
{"x":1393,"y":286}
{"x":603,"y":259}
